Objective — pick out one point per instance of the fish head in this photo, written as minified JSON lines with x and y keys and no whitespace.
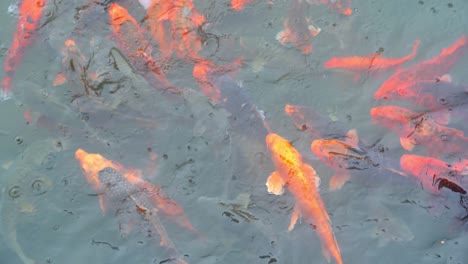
{"x":283,"y":151}
{"x":413,"y":164}
{"x":391,"y":116}
{"x":119,"y":15}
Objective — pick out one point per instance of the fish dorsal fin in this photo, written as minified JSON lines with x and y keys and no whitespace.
{"x":275,"y":184}
{"x":352,"y":138}
{"x":311,"y":174}
{"x":295,"y":216}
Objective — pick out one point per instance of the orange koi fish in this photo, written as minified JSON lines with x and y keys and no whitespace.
{"x":430,"y":70}
{"x":340,"y":6}
{"x":336,"y":155}
{"x":433,"y":174}
{"x":419,"y":129}
{"x":302,"y":181}
{"x":183,"y":20}
{"x":371,"y":62}
{"x":132,"y":42}
{"x":147,"y":197}
{"x":298,"y":29}
{"x":30,"y":13}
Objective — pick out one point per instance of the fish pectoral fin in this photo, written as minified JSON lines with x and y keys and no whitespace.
{"x":326,"y":253}
{"x":338,"y":180}
{"x":101,"y":204}
{"x":275,"y":184}
{"x":60,"y":78}
{"x":406,"y":144}
{"x":352,"y":138}
{"x":296,"y":214}
{"x":312,"y":174}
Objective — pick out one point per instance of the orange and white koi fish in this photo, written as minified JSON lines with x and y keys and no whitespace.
{"x":133,"y":43}
{"x":419,"y":129}
{"x":430,"y":70}
{"x":30,"y":13}
{"x":371,"y":62}
{"x":302,"y":181}
{"x":298,"y":29}
{"x":147,"y":197}
{"x":433,"y":174}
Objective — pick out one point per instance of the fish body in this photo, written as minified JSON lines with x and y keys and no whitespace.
{"x":371,"y":62}
{"x":434,"y":174}
{"x":239,"y":4}
{"x":24,"y":186}
{"x":419,"y":129}
{"x":119,"y":187}
{"x":342,"y":156}
{"x":440,"y":98}
{"x":397,"y":85}
{"x":297,"y":29}
{"x":302,"y":181}
{"x":132,"y":42}
{"x":174,"y":26}
{"x":30,"y":13}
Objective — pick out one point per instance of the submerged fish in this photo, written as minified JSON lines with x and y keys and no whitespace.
{"x":25,"y":183}
{"x":302,"y":181}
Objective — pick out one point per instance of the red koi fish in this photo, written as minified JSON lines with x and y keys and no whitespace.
{"x":302,"y":181}
{"x":371,"y":62}
{"x":132,"y":42}
{"x":340,"y":6}
{"x":419,"y":129}
{"x":298,"y":29}
{"x":92,"y":164}
{"x":158,"y":24}
{"x":30,"y":13}
{"x":397,"y":85}
{"x":433,"y":174}
{"x":334,"y":153}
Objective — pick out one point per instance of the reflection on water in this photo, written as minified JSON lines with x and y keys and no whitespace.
{"x":185,"y":94}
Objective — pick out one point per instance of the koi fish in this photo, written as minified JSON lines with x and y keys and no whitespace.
{"x":316,"y":124}
{"x":371,"y":62}
{"x":118,"y":190}
{"x":91,"y":164}
{"x":30,"y":13}
{"x":430,"y":70}
{"x":182,"y":19}
{"x":298,"y":29}
{"x":419,"y":129}
{"x":26,"y":182}
{"x":340,"y":6}
{"x":302,"y":181}
{"x":132,"y":42}
{"x":433,"y":174}
{"x":440,"y":98}
{"x":342,"y":156}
